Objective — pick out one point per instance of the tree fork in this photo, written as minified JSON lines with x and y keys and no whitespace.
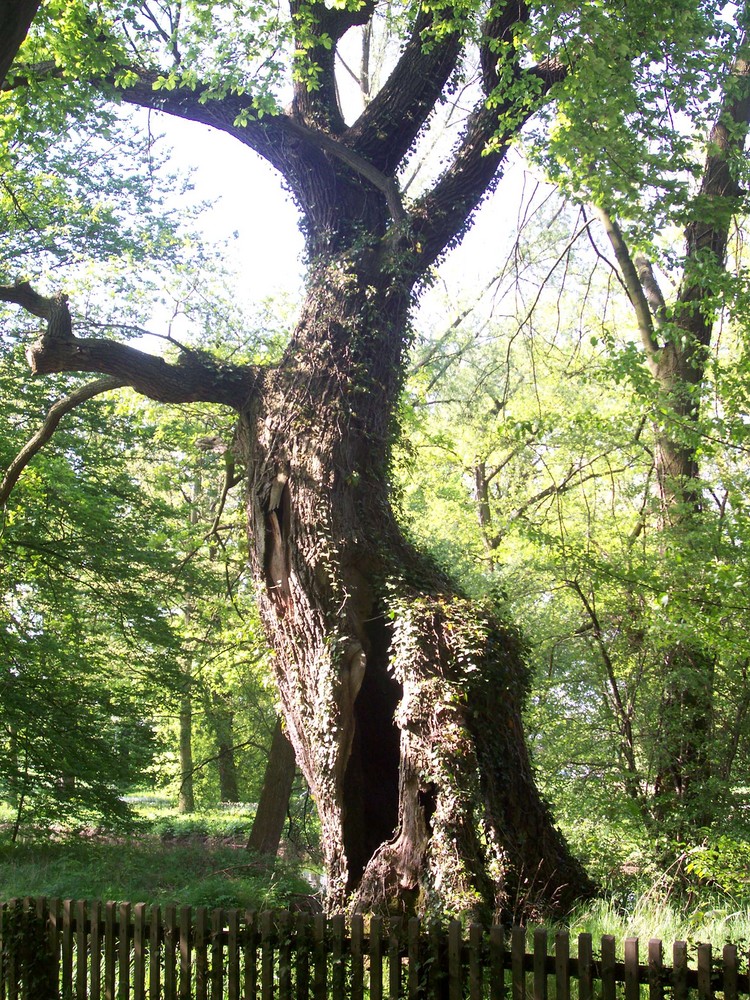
{"x":402,"y":700}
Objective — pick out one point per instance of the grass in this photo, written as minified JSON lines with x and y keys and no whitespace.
{"x":200,"y":860}
{"x":196,"y":860}
{"x":716,"y":921}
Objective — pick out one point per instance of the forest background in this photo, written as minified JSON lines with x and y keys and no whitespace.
{"x":532,"y":427}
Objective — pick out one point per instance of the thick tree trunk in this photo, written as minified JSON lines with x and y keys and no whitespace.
{"x":402,"y":699}
{"x":273,"y":804}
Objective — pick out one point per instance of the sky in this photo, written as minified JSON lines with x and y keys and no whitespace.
{"x":248,"y":200}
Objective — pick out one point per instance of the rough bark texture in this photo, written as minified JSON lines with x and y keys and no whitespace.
{"x":402,"y":699}
{"x":273,"y":805}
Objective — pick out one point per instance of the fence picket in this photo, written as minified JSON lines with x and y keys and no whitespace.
{"x":250,"y":953}
{"x":540,"y":964}
{"x":497,"y":962}
{"x":476,"y":962}
{"x":285,"y":955}
{"x":337,"y":955}
{"x":233,"y":955}
{"x":517,"y":953}
{"x":81,"y":938}
{"x":394,"y":959}
{"x":730,"y":971}
{"x":705,"y":991}
{"x":609,"y":959}
{"x":123,"y":952}
{"x":217,"y":954}
{"x":679,"y":970}
{"x":3,"y":951}
{"x":110,"y":950}
{"x":357,"y":934}
{"x":139,"y":951}
{"x":54,"y":947}
{"x":266,"y":955}
{"x":200,"y":953}
{"x":186,"y":964}
{"x":585,"y":967}
{"x":170,"y":952}
{"x":414,"y":958}
{"x":455,"y":972}
{"x":95,"y":950}
{"x":320,"y":961}
{"x":376,"y":958}
{"x":12,"y":967}
{"x":562,"y":965}
{"x":436,"y":957}
{"x":632,"y":987}
{"x":67,"y":948}
{"x":154,"y":954}
{"x":655,"y":970}
{"x":302,"y":932}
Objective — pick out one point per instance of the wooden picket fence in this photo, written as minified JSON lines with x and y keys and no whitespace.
{"x":65,"y":950}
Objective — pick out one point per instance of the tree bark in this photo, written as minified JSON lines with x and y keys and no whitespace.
{"x":220,"y":717}
{"x":15,"y":20}
{"x":186,"y":797}
{"x":273,"y":804}
{"x":401,"y":698}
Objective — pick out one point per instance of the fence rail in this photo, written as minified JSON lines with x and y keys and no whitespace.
{"x":118,"y":951}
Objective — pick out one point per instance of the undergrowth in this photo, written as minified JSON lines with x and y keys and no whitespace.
{"x":196,"y":860}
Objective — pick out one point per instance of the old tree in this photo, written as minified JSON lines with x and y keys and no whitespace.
{"x":402,"y":699}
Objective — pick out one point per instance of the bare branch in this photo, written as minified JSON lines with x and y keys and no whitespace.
{"x":55,"y":414}
{"x":196,"y":377}
{"x":633,"y":285}
{"x":391,"y":121}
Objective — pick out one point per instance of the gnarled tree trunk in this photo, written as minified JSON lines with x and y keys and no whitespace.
{"x":401,"y":698}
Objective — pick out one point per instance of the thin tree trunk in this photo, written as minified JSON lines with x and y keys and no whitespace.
{"x":186,"y":797}
{"x":273,"y":805}
{"x":221,"y":719}
{"x":676,"y":342}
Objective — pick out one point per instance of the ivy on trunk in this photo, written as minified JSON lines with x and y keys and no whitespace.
{"x":402,"y":699}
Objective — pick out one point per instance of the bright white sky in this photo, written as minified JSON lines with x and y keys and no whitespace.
{"x":248,"y":199}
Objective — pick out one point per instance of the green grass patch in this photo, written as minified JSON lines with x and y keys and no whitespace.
{"x":147,"y":869}
{"x":703,"y":920}
{"x":195,"y":860}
